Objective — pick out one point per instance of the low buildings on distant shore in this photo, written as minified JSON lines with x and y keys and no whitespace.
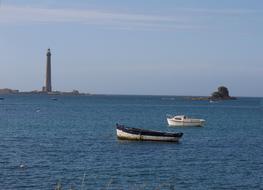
{"x":8,"y":91}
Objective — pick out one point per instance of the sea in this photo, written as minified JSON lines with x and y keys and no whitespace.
{"x":70,"y":141}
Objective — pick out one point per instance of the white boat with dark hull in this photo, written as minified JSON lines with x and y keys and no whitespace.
{"x":182,"y":120}
{"x":129,"y":133}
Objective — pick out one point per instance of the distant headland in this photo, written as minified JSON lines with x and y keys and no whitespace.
{"x":222,"y":93}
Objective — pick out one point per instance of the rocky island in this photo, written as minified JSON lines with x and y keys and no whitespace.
{"x":222,"y":93}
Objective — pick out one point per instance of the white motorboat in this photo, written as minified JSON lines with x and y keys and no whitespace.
{"x":182,"y":120}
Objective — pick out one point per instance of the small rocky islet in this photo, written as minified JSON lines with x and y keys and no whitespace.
{"x":222,"y":93}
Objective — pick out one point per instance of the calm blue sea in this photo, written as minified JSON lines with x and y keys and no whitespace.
{"x":73,"y":140}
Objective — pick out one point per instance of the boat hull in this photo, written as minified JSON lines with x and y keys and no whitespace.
{"x":191,"y":123}
{"x":125,"y":133}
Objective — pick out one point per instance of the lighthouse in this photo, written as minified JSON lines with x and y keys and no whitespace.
{"x":48,"y":87}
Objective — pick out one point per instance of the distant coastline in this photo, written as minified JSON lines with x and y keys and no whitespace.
{"x":8,"y":91}
{"x":213,"y":97}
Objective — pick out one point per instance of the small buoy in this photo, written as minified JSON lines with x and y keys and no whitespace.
{"x":22,"y":166}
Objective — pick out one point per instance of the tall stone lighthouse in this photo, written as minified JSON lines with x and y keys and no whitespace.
{"x":48,"y":87}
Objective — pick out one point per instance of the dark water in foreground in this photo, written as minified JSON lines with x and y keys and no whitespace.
{"x":74,"y":140}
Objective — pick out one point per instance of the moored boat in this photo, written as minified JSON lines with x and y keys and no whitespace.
{"x":130,"y":133}
{"x":182,"y":120}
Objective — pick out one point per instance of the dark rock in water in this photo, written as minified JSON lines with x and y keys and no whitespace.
{"x":222,"y":93}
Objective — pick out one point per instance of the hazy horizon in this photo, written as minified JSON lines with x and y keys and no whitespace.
{"x":133,"y":47}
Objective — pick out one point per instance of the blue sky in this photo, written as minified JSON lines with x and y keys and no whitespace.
{"x":166,"y":47}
